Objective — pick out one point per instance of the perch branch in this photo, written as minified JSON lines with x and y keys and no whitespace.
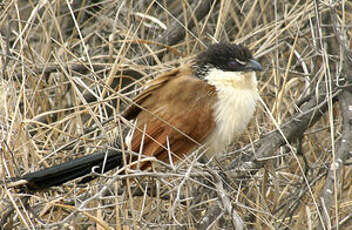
{"x":310,"y":112}
{"x":344,"y":148}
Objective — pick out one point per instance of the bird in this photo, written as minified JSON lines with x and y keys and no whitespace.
{"x":208,"y":101}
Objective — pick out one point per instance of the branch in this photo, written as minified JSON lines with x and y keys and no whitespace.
{"x":177,"y":30}
{"x":249,"y":162}
{"x":345,"y":146}
{"x":175,"y":33}
{"x":310,"y":112}
{"x":221,"y":207}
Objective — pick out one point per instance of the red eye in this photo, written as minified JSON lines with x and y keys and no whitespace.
{"x":233,"y":64}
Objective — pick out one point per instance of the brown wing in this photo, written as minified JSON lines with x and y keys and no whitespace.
{"x":177,"y":113}
{"x":133,"y":110}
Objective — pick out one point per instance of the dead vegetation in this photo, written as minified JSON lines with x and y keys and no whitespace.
{"x":69,"y":67}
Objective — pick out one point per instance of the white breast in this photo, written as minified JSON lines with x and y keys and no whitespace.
{"x":237,"y":97}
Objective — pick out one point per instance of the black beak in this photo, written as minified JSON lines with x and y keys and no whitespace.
{"x":253,"y":65}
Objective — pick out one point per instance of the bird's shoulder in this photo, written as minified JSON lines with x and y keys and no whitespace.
{"x":172,"y":85}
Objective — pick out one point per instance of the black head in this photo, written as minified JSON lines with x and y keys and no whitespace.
{"x":227,"y":57}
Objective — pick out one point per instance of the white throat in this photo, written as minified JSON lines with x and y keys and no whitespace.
{"x":237,"y":97}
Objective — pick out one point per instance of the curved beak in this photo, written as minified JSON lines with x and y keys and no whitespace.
{"x":254,"y":65}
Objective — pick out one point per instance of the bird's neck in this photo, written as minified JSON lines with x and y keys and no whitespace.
{"x":237,"y":96}
{"x":237,"y":80}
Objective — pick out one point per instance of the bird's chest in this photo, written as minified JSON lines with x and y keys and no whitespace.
{"x":232,"y":112}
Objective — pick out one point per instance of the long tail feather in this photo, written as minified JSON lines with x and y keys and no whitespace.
{"x":73,"y":169}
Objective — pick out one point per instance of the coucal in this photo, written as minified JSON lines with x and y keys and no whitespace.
{"x":207,"y":102}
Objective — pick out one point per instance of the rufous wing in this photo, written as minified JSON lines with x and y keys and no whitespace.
{"x":174,"y":115}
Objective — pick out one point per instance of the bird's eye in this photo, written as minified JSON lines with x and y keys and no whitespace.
{"x":236,"y":63}
{"x":233,"y":64}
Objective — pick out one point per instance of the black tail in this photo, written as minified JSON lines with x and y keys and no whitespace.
{"x":102,"y":162}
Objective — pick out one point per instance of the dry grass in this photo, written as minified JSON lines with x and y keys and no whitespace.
{"x":53,"y":55}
